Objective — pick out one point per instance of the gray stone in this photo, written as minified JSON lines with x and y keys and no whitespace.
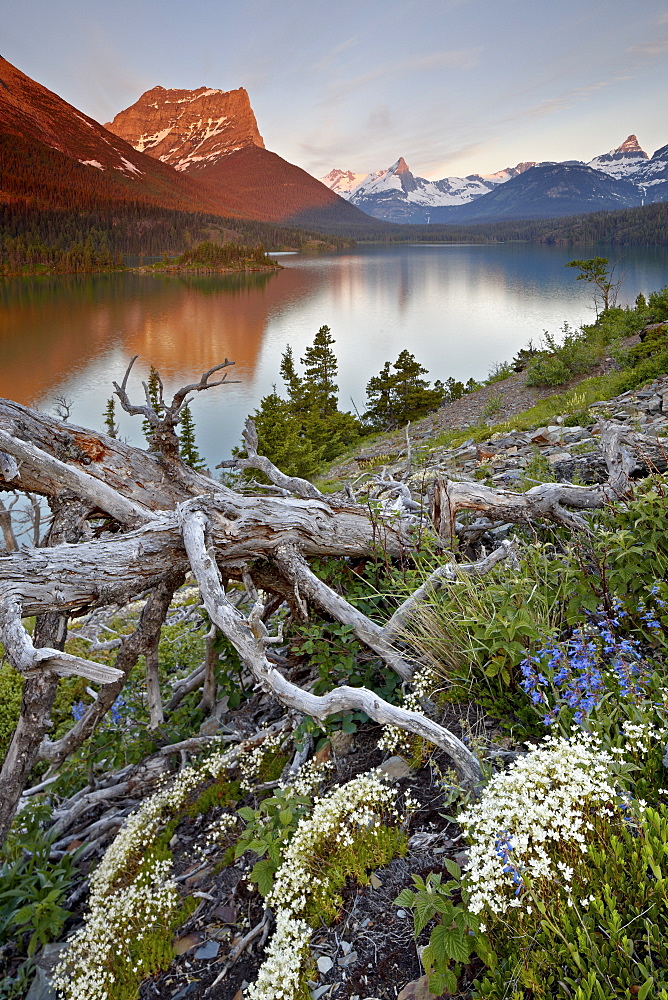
{"x":321,"y":991}
{"x":324,"y":964}
{"x":395,"y":768}
{"x":41,"y":988}
{"x":348,"y":960}
{"x":208,"y":950}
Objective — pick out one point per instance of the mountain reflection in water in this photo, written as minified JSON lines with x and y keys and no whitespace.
{"x":459,"y":309}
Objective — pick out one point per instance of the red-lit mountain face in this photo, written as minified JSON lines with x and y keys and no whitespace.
{"x":58,"y":157}
{"x":212,"y":135}
{"x":189,"y":128}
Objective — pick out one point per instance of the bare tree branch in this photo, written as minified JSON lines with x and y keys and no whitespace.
{"x":293,"y":484}
{"x":249,"y":637}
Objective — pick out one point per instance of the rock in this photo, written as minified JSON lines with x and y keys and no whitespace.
{"x":41,"y":988}
{"x":227,"y":914}
{"x":348,"y":960}
{"x":324,"y":964}
{"x":395,"y":768}
{"x":320,"y":991}
{"x":374,"y":881}
{"x":654,"y":405}
{"x":188,"y":941}
{"x":187,"y":991}
{"x":208,"y":950}
{"x":419,"y":990}
{"x":342,"y":743}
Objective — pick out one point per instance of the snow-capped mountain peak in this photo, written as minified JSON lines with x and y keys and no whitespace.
{"x":622,"y":162}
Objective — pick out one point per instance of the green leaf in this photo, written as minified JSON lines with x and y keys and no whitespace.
{"x":452,"y":943}
{"x":405,"y":898}
{"x":247,"y":813}
{"x":453,"y":868}
{"x":263,"y":875}
{"x":643,"y":992}
{"x":424,"y":911}
{"x":285,"y":816}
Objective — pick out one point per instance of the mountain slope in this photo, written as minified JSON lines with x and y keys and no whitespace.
{"x":188,"y":127}
{"x":624,"y":162}
{"x":549,"y":190}
{"x":212,"y":135}
{"x":58,"y":157}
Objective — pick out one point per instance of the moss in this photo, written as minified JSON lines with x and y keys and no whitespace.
{"x":371,"y":848}
{"x":219,"y":793}
{"x":271,"y":767}
{"x":11,"y":692}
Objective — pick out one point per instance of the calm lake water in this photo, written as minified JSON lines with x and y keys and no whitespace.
{"x":459,"y":309}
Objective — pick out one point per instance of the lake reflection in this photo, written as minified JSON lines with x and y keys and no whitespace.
{"x":459,"y":309}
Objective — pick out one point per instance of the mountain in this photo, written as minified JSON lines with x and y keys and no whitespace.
{"x":212,"y":135}
{"x":187,"y":128}
{"x":652,"y":178}
{"x":624,"y":162}
{"x":548,"y":191}
{"x":397,"y":195}
{"x":55,"y":156}
{"x":342,"y":181}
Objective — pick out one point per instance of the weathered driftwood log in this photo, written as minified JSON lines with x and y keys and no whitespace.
{"x":146,"y":519}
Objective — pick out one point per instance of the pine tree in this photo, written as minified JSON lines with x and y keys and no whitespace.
{"x":155,"y":399}
{"x":187,"y":446}
{"x":280,"y":438}
{"x":320,"y":370}
{"x":110,"y":418}
{"x":399,"y":394}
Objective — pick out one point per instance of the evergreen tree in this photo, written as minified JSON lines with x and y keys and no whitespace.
{"x":187,"y":446}
{"x":399,"y":394}
{"x":110,"y":418}
{"x":280,"y":438}
{"x":320,"y":370}
{"x":155,"y":399}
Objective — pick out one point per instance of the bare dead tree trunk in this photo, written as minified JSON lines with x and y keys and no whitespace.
{"x":153,"y":519}
{"x":132,"y":647}
{"x":208,"y":700}
{"x":39,"y":688}
{"x":156,"y":714}
{"x":11,"y":544}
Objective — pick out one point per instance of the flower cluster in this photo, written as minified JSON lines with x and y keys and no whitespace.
{"x":131,"y":893}
{"x":528,"y":814}
{"x":580,"y":672}
{"x":309,"y":777}
{"x":364,"y":803}
{"x":423,"y":685}
{"x":250,"y":761}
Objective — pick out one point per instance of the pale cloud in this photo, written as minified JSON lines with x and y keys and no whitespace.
{"x":458,"y":59}
{"x":325,"y":62}
{"x":656,"y":47}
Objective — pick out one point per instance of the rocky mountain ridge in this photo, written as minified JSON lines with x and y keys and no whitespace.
{"x":188,"y":127}
{"x":213,"y":135}
{"x":397,"y":195}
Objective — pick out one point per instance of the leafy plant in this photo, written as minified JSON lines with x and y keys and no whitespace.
{"x":268,"y":828}
{"x":456,"y":934}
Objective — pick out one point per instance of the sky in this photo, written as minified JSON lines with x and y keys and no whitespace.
{"x":453,"y":86}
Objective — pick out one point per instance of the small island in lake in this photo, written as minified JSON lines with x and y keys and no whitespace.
{"x":209,"y":257}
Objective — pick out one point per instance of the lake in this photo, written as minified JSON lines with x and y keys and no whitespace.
{"x":460,"y":309}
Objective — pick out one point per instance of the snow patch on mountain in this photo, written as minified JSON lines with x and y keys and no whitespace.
{"x":624,"y":162}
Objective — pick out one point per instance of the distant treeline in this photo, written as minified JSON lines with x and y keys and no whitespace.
{"x":75,"y":241}
{"x":646,"y":226}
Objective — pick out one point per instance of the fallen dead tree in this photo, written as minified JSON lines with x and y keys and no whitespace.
{"x":130,"y":522}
